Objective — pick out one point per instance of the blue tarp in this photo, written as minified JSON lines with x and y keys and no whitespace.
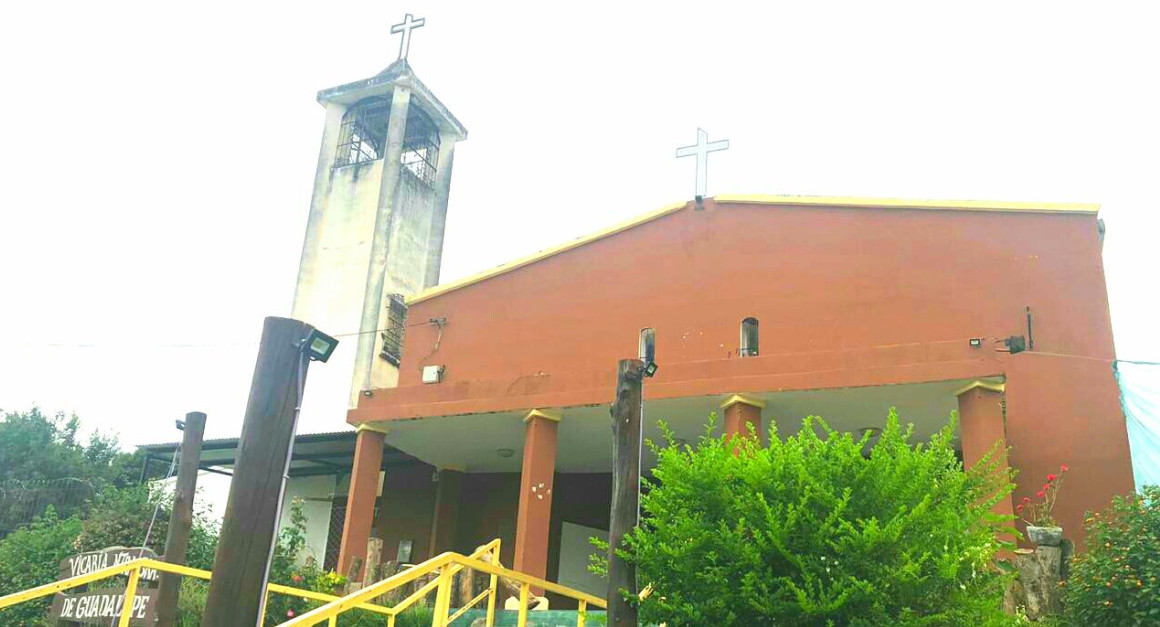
{"x":1140,"y":396}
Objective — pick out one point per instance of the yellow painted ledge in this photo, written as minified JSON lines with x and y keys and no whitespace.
{"x":986,"y":385}
{"x":554,"y":416}
{"x":762,"y":199}
{"x":903,"y":203}
{"x":547,"y":252}
{"x":741,"y":398}
{"x":370,"y":426}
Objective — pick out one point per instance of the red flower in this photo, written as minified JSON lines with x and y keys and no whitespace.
{"x":1026,"y":499}
{"x":1040,"y":494}
{"x":1019,"y":508}
{"x":1063,"y":468}
{"x":289,"y":613}
{"x":1051,"y":478}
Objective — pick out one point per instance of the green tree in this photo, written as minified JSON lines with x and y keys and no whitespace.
{"x":811,"y":530}
{"x":37,"y":447}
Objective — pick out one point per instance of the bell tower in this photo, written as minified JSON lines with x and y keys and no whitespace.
{"x":374,"y":233}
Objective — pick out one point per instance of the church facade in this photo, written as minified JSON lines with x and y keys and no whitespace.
{"x":765,"y":310}
{"x":482,"y":405}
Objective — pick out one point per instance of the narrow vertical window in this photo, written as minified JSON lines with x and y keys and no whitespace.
{"x":748,"y":338}
{"x":648,"y":345}
{"x":393,"y":331}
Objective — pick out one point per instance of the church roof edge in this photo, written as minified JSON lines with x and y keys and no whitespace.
{"x":764,"y":199}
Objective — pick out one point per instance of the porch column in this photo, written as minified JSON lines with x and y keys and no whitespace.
{"x":742,"y":412}
{"x":446,"y":516}
{"x":535,"y":509}
{"x":982,"y":425}
{"x":360,"y":502}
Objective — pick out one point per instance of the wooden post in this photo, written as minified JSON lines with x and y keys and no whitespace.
{"x":181,"y":520}
{"x":626,"y":419}
{"x":248,"y":529}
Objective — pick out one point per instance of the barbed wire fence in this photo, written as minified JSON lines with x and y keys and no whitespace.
{"x":21,"y":502}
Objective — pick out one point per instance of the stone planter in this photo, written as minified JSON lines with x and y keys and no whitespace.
{"x":1045,"y":536}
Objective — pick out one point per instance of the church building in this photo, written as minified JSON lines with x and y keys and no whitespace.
{"x":482,"y":405}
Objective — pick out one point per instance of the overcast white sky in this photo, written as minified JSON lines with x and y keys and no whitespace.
{"x":158,"y":157}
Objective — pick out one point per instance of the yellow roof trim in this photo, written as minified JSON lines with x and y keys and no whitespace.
{"x":903,"y":203}
{"x":764,"y":199}
{"x":543,"y":254}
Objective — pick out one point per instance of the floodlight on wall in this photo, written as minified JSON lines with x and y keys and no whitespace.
{"x":180,"y":424}
{"x":319,"y":346}
{"x":976,"y":342}
{"x":1014,"y":344}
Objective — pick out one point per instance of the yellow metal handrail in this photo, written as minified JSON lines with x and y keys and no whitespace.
{"x":133,"y":568}
{"x":447,"y":565}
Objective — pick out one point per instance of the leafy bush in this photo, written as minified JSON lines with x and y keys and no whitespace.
{"x":810,"y":531}
{"x":1117,"y":581}
{"x":31,"y":557}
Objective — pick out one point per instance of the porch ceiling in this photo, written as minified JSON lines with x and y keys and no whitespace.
{"x":473,"y":443}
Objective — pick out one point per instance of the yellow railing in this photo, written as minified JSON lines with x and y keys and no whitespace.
{"x":446,"y":566}
{"x":133,"y":568}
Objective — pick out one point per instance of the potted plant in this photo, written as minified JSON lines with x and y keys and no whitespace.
{"x":1042,"y":529}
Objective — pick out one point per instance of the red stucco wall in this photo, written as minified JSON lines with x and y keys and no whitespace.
{"x":845,"y":297}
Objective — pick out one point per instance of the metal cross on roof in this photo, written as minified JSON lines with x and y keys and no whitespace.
{"x":409,"y":24}
{"x":701,"y":150}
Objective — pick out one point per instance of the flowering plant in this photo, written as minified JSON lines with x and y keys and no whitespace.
{"x":1038,"y":513}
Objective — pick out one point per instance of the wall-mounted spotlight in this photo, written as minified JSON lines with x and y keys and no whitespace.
{"x":976,"y":342}
{"x":1014,"y":344}
{"x":319,"y":346}
{"x":180,"y":424}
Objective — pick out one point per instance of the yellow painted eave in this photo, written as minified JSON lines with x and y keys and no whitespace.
{"x":904,"y":203}
{"x":763,"y":199}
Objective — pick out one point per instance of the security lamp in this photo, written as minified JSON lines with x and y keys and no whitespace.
{"x":650,"y":369}
{"x":976,"y":342}
{"x":319,"y":346}
{"x":180,"y":424}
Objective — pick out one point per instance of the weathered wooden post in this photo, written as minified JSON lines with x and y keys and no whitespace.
{"x":236,"y":591}
{"x":181,"y":519}
{"x":626,"y":430}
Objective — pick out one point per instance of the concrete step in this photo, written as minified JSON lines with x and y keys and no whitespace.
{"x":546,"y":618}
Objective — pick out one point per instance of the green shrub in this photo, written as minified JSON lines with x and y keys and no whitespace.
{"x":810,"y":531}
{"x":30,"y":557}
{"x":1117,"y":581}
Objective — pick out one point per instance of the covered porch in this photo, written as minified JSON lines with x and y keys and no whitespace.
{"x":539,"y":478}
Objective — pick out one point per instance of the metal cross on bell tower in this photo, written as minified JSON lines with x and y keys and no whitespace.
{"x":701,"y":151}
{"x":409,"y":24}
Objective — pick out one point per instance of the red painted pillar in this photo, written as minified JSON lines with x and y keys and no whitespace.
{"x":982,"y":426}
{"x":741,"y":413}
{"x":535,"y":509}
{"x":360,"y":502}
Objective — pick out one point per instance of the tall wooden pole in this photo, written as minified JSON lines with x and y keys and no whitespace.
{"x":626,"y":419}
{"x":236,"y":592}
{"x":181,"y":520}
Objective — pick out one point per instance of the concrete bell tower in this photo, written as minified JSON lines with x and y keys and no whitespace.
{"x":375,"y":229}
